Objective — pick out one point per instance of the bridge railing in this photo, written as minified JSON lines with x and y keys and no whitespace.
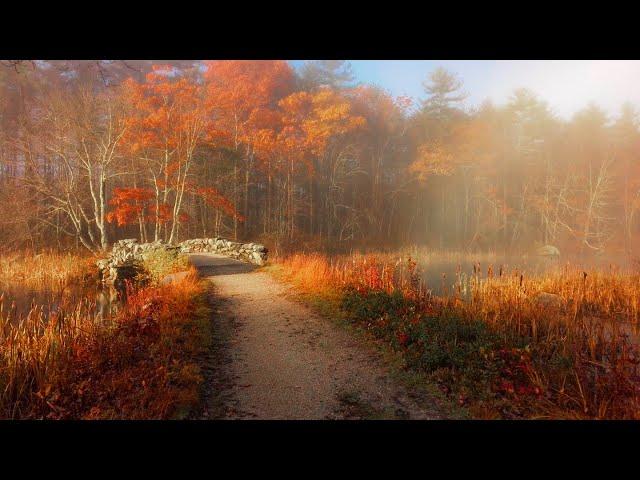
{"x":126,"y":255}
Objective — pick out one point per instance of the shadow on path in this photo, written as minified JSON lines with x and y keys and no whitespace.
{"x":211,"y":264}
{"x":273,"y":358}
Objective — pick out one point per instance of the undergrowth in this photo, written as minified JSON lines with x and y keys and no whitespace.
{"x":500,"y":354}
{"x":143,"y":363}
{"x":157,"y":264}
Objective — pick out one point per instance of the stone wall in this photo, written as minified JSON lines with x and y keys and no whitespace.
{"x":247,"y":252}
{"x":125,"y":260}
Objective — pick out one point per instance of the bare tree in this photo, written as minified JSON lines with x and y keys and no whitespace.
{"x":71,"y":155}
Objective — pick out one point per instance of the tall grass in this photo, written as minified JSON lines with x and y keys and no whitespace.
{"x":47,"y":270}
{"x":560,"y":344}
{"x":65,"y":361}
{"x":33,"y":349}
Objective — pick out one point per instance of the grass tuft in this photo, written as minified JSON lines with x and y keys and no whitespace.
{"x":503,"y":350}
{"x":64,"y":361}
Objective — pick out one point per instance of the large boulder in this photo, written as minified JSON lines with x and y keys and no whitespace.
{"x":548,"y":251}
{"x":549,"y":300}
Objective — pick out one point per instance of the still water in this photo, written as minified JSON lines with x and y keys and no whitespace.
{"x":443,"y":275}
{"x":99,"y":300}
{"x":445,"y":272}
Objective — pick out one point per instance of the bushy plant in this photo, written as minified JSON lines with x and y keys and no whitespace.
{"x":63,"y":360}
{"x":501,"y":351}
{"x":159,"y":263}
{"x":143,"y":364}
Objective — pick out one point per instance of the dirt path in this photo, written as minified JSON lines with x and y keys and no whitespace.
{"x":275,"y":359}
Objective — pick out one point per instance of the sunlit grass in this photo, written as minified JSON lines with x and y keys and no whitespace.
{"x":62,"y":360}
{"x":556,"y":344}
{"x":42,"y":271}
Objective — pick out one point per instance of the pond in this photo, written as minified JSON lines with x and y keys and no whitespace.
{"x":449,"y":274}
{"x":101,"y":301}
{"x":443,"y":272}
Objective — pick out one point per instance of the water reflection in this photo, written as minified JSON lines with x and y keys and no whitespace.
{"x":448,"y":274}
{"x":454,"y":276}
{"x":102,"y":301}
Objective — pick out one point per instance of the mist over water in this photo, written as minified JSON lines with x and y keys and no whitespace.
{"x":444,"y":271}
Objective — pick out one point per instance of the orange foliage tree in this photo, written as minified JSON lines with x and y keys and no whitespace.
{"x":168,"y":121}
{"x":248,"y":148}
{"x":311,"y":121}
{"x":242,"y":96}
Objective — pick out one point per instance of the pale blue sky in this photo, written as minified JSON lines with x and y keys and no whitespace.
{"x":566,"y":85}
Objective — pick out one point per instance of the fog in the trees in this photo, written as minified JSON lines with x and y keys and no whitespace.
{"x":94,"y":151}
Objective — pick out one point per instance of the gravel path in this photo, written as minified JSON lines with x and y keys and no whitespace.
{"x":276,"y":359}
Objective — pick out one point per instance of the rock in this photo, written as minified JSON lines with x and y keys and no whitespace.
{"x":121,"y":274}
{"x":173,"y":278}
{"x":548,"y":251}
{"x":257,"y":258}
{"x":550,"y":300}
{"x":102,"y":264}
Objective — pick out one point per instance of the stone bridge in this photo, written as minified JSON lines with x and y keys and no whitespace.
{"x":126,"y":255}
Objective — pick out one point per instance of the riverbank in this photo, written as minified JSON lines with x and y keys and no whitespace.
{"x":67,"y":362}
{"x":502,"y":354}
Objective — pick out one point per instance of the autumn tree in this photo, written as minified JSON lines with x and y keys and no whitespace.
{"x":168,"y":121}
{"x":431,"y":131}
{"x":131,"y":206}
{"x":626,"y":145}
{"x":382,"y":146}
{"x":93,"y":151}
{"x":312,"y":124}
{"x":240,"y":95}
{"x":79,"y":131}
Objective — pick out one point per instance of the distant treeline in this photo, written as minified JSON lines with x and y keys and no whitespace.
{"x":94,"y":151}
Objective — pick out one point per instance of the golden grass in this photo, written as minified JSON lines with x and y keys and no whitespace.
{"x":585,"y":299}
{"x":43,"y":271}
{"x":68,"y":362}
{"x":33,"y":349}
{"x":591,"y":321}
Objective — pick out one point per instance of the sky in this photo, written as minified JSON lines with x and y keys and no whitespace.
{"x":566,"y":85}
